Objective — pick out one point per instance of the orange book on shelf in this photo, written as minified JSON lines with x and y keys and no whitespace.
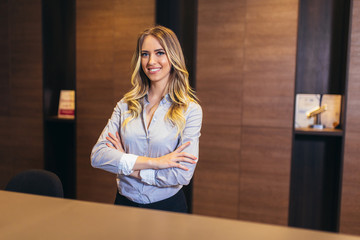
{"x":67,"y":104}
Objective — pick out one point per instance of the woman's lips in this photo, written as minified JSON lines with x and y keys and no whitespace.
{"x":154,"y":70}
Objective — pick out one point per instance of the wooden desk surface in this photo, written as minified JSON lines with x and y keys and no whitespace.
{"x":25,"y":216}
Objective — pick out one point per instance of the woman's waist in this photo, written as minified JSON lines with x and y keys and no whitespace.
{"x":140,"y":192}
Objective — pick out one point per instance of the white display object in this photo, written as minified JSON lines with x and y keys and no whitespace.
{"x":305,"y":103}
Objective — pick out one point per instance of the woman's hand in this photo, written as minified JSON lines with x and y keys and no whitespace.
{"x":173,"y":159}
{"x":135,"y":174}
{"x":116,"y":142}
{"x":167,"y":161}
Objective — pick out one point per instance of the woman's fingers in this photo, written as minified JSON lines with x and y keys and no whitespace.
{"x":184,"y":157}
{"x":112,"y":141}
{"x":175,"y":160}
{"x":118,"y":140}
{"x":187,"y":155}
{"x":182,"y":147}
{"x":115,"y":140}
{"x":113,"y":137}
{"x":182,"y":167}
{"x":118,"y":136}
{"x":111,"y":146}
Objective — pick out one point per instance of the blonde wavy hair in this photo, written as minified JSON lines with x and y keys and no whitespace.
{"x":178,"y":86}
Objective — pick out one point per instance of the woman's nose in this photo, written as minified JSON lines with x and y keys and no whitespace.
{"x":151,"y":59}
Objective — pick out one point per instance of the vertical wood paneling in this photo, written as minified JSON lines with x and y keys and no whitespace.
{"x":21,"y":82}
{"x":219,"y":73}
{"x":245,"y":81}
{"x":5,"y":152}
{"x":315,"y":46}
{"x":94,"y":60}
{"x":269,"y":70}
{"x":4,"y":59}
{"x":265,"y":174}
{"x":350,"y":201}
{"x":106,"y":38}
{"x":268,"y":87}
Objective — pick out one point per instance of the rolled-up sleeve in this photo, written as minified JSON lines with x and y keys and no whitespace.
{"x":109,"y":159}
{"x":176,"y":176}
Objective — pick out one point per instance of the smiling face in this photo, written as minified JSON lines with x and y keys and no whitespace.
{"x":154,"y":61}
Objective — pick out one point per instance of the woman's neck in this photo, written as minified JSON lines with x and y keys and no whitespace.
{"x":157,"y":92}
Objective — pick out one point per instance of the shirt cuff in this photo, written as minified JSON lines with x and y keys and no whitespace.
{"x":148,"y":176}
{"x":127,"y":163}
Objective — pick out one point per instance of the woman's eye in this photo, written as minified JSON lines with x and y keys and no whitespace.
{"x":160,"y":53}
{"x":144,"y":54}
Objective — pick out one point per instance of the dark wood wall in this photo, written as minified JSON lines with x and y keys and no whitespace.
{"x":350,"y":201}
{"x":270,"y":49}
{"x":21,"y":122}
{"x":106,"y":34}
{"x":220,"y":60}
{"x":245,"y":81}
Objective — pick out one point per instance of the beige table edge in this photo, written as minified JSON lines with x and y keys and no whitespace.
{"x":25,"y":216}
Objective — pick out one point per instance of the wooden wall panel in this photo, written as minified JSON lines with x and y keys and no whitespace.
{"x":350,"y":201}
{"x":268,"y":98}
{"x":106,"y":38}
{"x":21,"y":80}
{"x":4,"y":59}
{"x":219,"y":72}
{"x":269,"y":70}
{"x":216,"y":179}
{"x":5,"y":153}
{"x":265,"y":174}
{"x":245,"y":81}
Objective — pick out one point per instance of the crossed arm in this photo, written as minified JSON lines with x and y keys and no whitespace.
{"x":172,"y":169}
{"x":171,"y":160}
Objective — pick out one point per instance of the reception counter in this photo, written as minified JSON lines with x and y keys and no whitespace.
{"x":25,"y":216}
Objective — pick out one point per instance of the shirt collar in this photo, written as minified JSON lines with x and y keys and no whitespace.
{"x":165,"y":99}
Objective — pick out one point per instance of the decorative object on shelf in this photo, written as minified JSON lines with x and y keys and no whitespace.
{"x":310,"y":106}
{"x":316,"y":115}
{"x":331,"y":118}
{"x":67,"y":104}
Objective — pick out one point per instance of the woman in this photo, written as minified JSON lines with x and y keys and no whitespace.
{"x":157,"y":119}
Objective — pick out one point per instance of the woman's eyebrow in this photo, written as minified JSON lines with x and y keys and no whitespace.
{"x":156,"y":50}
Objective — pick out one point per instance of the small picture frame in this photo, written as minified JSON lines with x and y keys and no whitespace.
{"x":67,"y":104}
{"x":305,"y":103}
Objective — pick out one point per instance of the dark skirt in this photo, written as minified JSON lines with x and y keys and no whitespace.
{"x":176,"y":203}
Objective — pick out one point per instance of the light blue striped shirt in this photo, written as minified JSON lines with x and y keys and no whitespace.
{"x":158,"y":140}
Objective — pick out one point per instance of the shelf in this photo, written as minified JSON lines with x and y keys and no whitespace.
{"x":59,"y":65}
{"x":60,"y":152}
{"x":57,"y":119}
{"x":319,"y":132}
